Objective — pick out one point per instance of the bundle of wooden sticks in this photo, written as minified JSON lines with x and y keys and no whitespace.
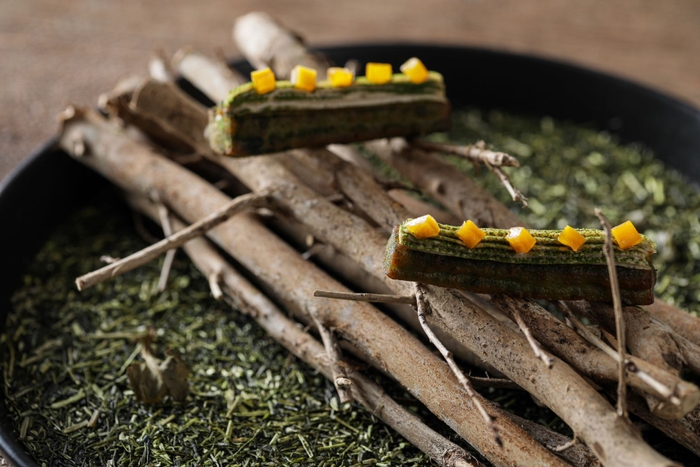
{"x":153,"y":147}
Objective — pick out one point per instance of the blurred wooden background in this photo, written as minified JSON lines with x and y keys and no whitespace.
{"x":55,"y":52}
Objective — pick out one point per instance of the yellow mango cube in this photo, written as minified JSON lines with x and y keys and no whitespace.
{"x":470,"y":234}
{"x":415,"y":70}
{"x":520,"y":239}
{"x":303,"y":78}
{"x":626,"y":235}
{"x":378,"y":73}
{"x":340,"y":77}
{"x":423,"y":227}
{"x":264,"y":81}
{"x":571,"y":238}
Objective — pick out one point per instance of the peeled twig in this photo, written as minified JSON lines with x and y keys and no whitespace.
{"x":356,"y":184}
{"x":619,"y":318}
{"x":388,"y":298}
{"x":479,"y":153}
{"x":248,"y":300}
{"x":257,"y":200}
{"x":136,"y":168}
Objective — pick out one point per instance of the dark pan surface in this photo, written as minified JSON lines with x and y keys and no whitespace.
{"x":48,"y":186}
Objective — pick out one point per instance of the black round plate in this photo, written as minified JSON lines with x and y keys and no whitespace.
{"x":48,"y":185}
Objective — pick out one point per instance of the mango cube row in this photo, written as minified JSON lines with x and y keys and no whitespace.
{"x":519,"y":238}
{"x":304,"y":78}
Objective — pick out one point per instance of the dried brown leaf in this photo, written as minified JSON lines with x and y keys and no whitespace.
{"x":154,"y":379}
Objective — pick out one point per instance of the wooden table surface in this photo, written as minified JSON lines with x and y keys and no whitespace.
{"x":53,"y":53}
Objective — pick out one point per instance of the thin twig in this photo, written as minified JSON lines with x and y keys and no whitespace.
{"x":479,"y":153}
{"x":423,"y":308}
{"x":170,"y":255}
{"x":365,"y":297}
{"x":341,"y":381}
{"x":253,"y":200}
{"x":619,"y":320}
{"x":515,"y":194}
{"x":474,"y":152}
{"x":539,"y":352}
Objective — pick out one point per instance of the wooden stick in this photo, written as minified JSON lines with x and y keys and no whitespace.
{"x":619,"y":318}
{"x":242,"y":203}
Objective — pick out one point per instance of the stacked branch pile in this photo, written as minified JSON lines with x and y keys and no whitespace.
{"x":329,"y":196}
